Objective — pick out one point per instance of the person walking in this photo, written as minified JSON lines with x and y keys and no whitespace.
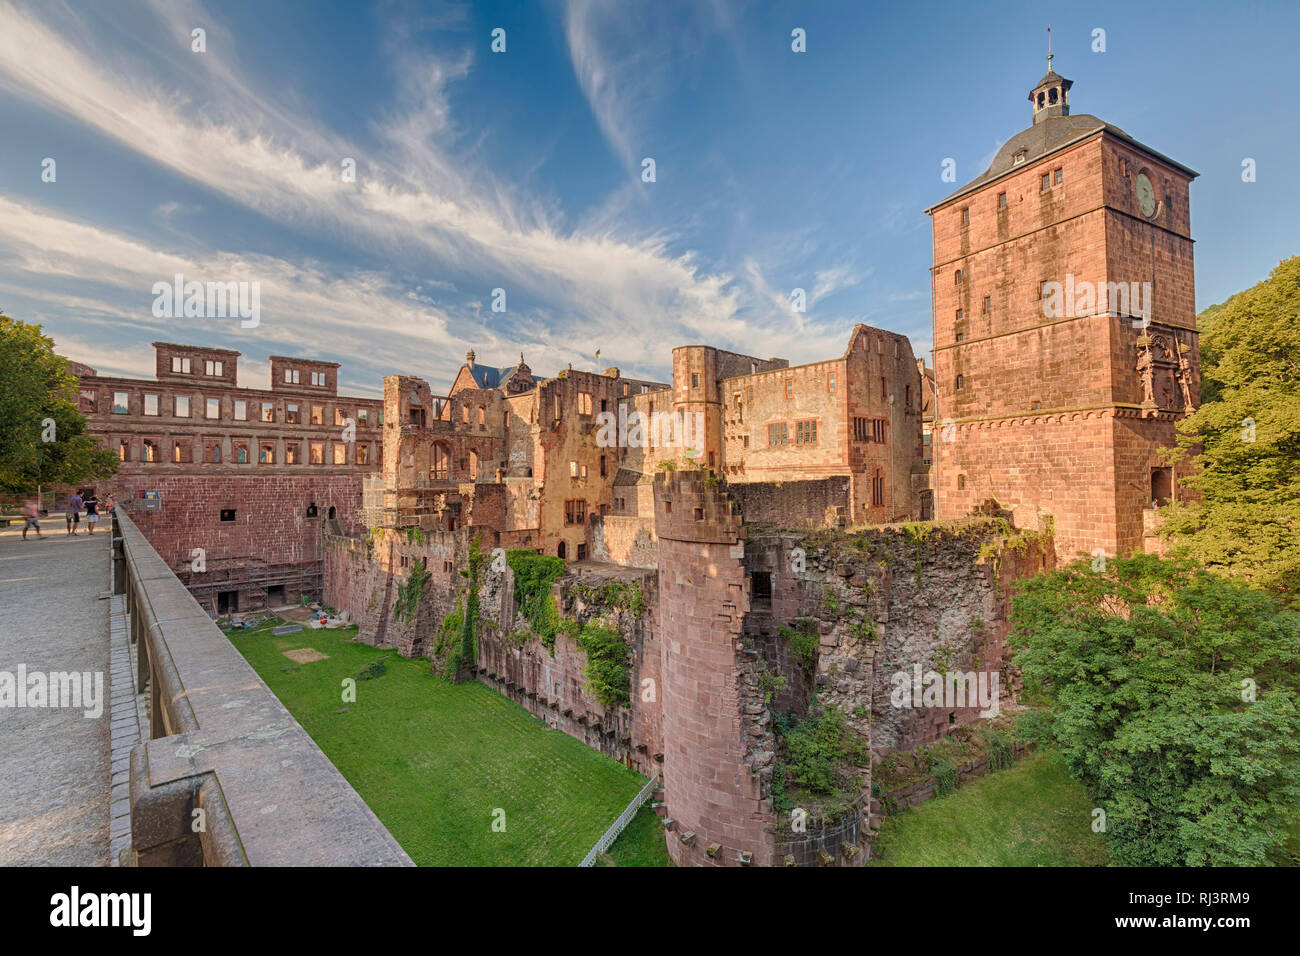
{"x":92,"y":510}
{"x":74,"y":512}
{"x":32,"y":511}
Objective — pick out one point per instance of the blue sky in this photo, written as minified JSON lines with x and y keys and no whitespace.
{"x":522,"y":170}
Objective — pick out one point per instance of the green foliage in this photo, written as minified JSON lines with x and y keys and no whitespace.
{"x":1248,"y":518}
{"x":414,"y":536}
{"x":1147,"y":666}
{"x":408,"y":592}
{"x":803,"y":643}
{"x":817,"y":753}
{"x":38,"y":400}
{"x":830,"y":601}
{"x":606,"y":669}
{"x":627,"y":595}
{"x":771,"y":685}
{"x":449,"y":631}
{"x":999,"y":748}
{"x":534,"y":576}
{"x":373,"y":669}
{"x":945,"y":776}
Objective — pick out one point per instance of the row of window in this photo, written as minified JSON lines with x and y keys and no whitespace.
{"x":805,"y":432}
{"x":292,"y":376}
{"x":1054,"y":178}
{"x":182,"y":365}
{"x":182,"y":452}
{"x":151,"y":405}
{"x":870,"y":429}
{"x":579,"y":470}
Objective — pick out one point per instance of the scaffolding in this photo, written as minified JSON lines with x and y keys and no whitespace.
{"x":252,"y":578}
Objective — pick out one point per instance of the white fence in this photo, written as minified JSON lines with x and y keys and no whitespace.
{"x":624,"y":818}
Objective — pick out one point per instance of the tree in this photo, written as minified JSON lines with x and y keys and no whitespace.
{"x":43,"y":437}
{"x":1175,"y":702}
{"x":1246,"y":438}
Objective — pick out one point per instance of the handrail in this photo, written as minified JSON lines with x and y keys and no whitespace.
{"x":230,"y":777}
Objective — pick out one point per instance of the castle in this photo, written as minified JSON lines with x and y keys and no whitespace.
{"x":744,"y":502}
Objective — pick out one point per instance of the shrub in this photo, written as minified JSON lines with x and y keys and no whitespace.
{"x":606,"y":669}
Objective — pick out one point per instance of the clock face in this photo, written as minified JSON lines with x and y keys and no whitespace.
{"x":1146,"y":195}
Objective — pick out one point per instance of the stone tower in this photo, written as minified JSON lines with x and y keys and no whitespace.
{"x":1065,"y":344}
{"x":717,"y":738}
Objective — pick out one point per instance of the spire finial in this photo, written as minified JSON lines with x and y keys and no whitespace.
{"x":1049,"y":49}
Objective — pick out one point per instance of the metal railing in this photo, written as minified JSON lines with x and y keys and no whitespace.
{"x":619,"y":825}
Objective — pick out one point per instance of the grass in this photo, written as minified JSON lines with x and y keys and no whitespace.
{"x":1031,"y":814}
{"x":642,"y":843}
{"x":435,"y":761}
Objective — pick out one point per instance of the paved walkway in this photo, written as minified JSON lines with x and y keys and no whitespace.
{"x":54,"y":761}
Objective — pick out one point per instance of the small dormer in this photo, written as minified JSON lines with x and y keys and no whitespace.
{"x":1051,"y":97}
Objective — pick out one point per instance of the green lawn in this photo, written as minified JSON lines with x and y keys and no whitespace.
{"x":642,"y":843}
{"x":1031,"y":814}
{"x":434,"y":761}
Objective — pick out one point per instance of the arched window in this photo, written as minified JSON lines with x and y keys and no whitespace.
{"x":563,"y":551}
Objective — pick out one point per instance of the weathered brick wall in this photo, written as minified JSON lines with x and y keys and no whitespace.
{"x":883,"y":601}
{"x":362,"y":576}
{"x":793,"y":504}
{"x":718,"y":745}
{"x":623,"y":539}
{"x":270,"y":524}
{"x":553,"y":686}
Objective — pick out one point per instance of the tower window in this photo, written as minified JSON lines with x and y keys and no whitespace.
{"x":956,"y":277}
{"x":961,"y":381}
{"x":1058,"y":175}
{"x":959,"y":315}
{"x":988,"y":304}
{"x":1002,"y":200}
{"x":965,"y":216}
{"x":1047,"y":181}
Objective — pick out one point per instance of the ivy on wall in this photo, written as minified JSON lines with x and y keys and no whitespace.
{"x":409,"y":592}
{"x":606,"y":669}
{"x":534,"y":575}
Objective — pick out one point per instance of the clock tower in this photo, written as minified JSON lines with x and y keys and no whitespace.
{"x":1065,"y":344}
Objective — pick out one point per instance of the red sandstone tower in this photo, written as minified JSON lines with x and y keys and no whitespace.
{"x":1065,"y":344}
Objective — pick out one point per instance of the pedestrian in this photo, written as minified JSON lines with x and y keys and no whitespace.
{"x":74,"y":512}
{"x":92,"y":510}
{"x":32,"y":510}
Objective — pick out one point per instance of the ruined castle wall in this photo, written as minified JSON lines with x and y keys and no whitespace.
{"x":622,"y":539}
{"x":793,"y":504}
{"x":362,"y":577}
{"x":718,"y":744}
{"x":553,"y":687}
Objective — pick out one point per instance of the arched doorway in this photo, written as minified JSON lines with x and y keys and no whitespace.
{"x":563,"y":551}
{"x":331,"y":513}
